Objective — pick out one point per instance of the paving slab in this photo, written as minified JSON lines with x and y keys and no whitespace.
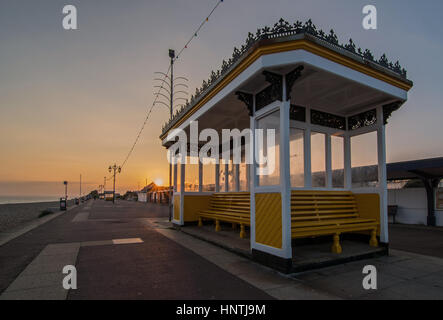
{"x":418,"y":291}
{"x":81,"y":217}
{"x":268,"y":280}
{"x":129,"y":251}
{"x":418,"y":239}
{"x":61,"y":248}
{"x":26,"y":282}
{"x":299,"y":292}
{"x":41,"y":293}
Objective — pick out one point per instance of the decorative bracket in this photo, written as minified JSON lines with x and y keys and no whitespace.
{"x":248,"y":100}
{"x":364,"y":119}
{"x":271,"y":93}
{"x":291,"y":77}
{"x":328,"y":120}
{"x":388,"y":109}
{"x":297,"y":113}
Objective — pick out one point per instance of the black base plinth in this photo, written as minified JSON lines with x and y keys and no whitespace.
{"x":269,"y":260}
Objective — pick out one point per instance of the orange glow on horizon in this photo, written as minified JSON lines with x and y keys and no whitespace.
{"x":159,"y":182}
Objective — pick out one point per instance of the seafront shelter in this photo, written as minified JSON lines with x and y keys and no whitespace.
{"x":329,"y":104}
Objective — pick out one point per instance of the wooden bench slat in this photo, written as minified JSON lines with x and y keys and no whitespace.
{"x":318,"y":213}
{"x":224,"y":215}
{"x":231,"y":208}
{"x":226,"y":212}
{"x":313,"y":212}
{"x":324,"y":217}
{"x":321,"y":227}
{"x":323,"y":202}
{"x":333,"y":230}
{"x":228,"y":207}
{"x":344,"y":207}
{"x":329,"y":222}
{"x":228,"y":203}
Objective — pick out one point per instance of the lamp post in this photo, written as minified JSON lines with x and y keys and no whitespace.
{"x":66,"y":189}
{"x":115,"y":169}
{"x":172,"y":57}
{"x":164,"y":85}
{"x":64,"y":202}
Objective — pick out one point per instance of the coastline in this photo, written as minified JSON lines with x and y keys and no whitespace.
{"x":13,"y":215}
{"x":26,"y":199}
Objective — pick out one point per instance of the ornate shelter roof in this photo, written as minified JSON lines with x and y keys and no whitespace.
{"x":281,"y":32}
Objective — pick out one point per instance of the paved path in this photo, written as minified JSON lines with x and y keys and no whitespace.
{"x":417,"y":239}
{"x":109,"y":267}
{"x":129,"y":251}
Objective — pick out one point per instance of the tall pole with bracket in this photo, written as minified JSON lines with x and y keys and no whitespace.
{"x":116,"y":169}
{"x":171,"y":107}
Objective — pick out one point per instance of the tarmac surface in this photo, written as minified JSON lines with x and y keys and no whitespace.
{"x":157,"y":268}
{"x":418,"y":239}
{"x":128,"y":250}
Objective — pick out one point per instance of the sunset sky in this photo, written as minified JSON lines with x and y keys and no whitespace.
{"x":72,"y":102}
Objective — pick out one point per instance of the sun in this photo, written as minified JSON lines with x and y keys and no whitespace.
{"x":158,"y":182}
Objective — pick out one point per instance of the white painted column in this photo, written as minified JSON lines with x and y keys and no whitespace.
{"x":382,"y":176}
{"x":285,"y":180}
{"x":253,"y":183}
{"x":248,"y":177}
{"x":182,"y":193}
{"x":217,"y":177}
{"x":307,"y":150}
{"x":200,"y":176}
{"x":347,"y":160}
{"x":227,"y":177}
{"x":175,"y":178}
{"x":237,"y":177}
{"x":328,"y":159}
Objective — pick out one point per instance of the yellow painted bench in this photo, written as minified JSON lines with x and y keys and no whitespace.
{"x":321,"y":213}
{"x":228,"y":207}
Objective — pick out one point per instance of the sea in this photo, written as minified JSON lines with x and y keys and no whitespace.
{"x":27,"y":199}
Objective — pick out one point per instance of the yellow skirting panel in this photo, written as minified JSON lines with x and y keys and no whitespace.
{"x":369,"y":207}
{"x":268,"y":222}
{"x":193,"y":204}
{"x":177,"y":207}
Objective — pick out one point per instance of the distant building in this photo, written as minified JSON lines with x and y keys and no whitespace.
{"x":154,"y":194}
{"x":108,"y":195}
{"x":415,"y":188}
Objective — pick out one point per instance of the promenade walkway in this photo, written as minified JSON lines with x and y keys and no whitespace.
{"x":128,"y":251}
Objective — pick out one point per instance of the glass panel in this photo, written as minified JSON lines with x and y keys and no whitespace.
{"x":318,"y":159}
{"x":208,"y":178}
{"x":297,"y":157}
{"x":179,"y":167}
{"x":338,"y":162}
{"x":364,"y":160}
{"x":174,"y":184}
{"x":271,"y":166}
{"x":191,"y":176}
{"x":231,"y":174}
{"x":244,"y":177}
{"x":222,"y":177}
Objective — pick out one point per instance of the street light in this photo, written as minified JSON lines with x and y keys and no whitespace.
{"x":114,"y":168}
{"x":100,"y":189}
{"x":66,"y":189}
